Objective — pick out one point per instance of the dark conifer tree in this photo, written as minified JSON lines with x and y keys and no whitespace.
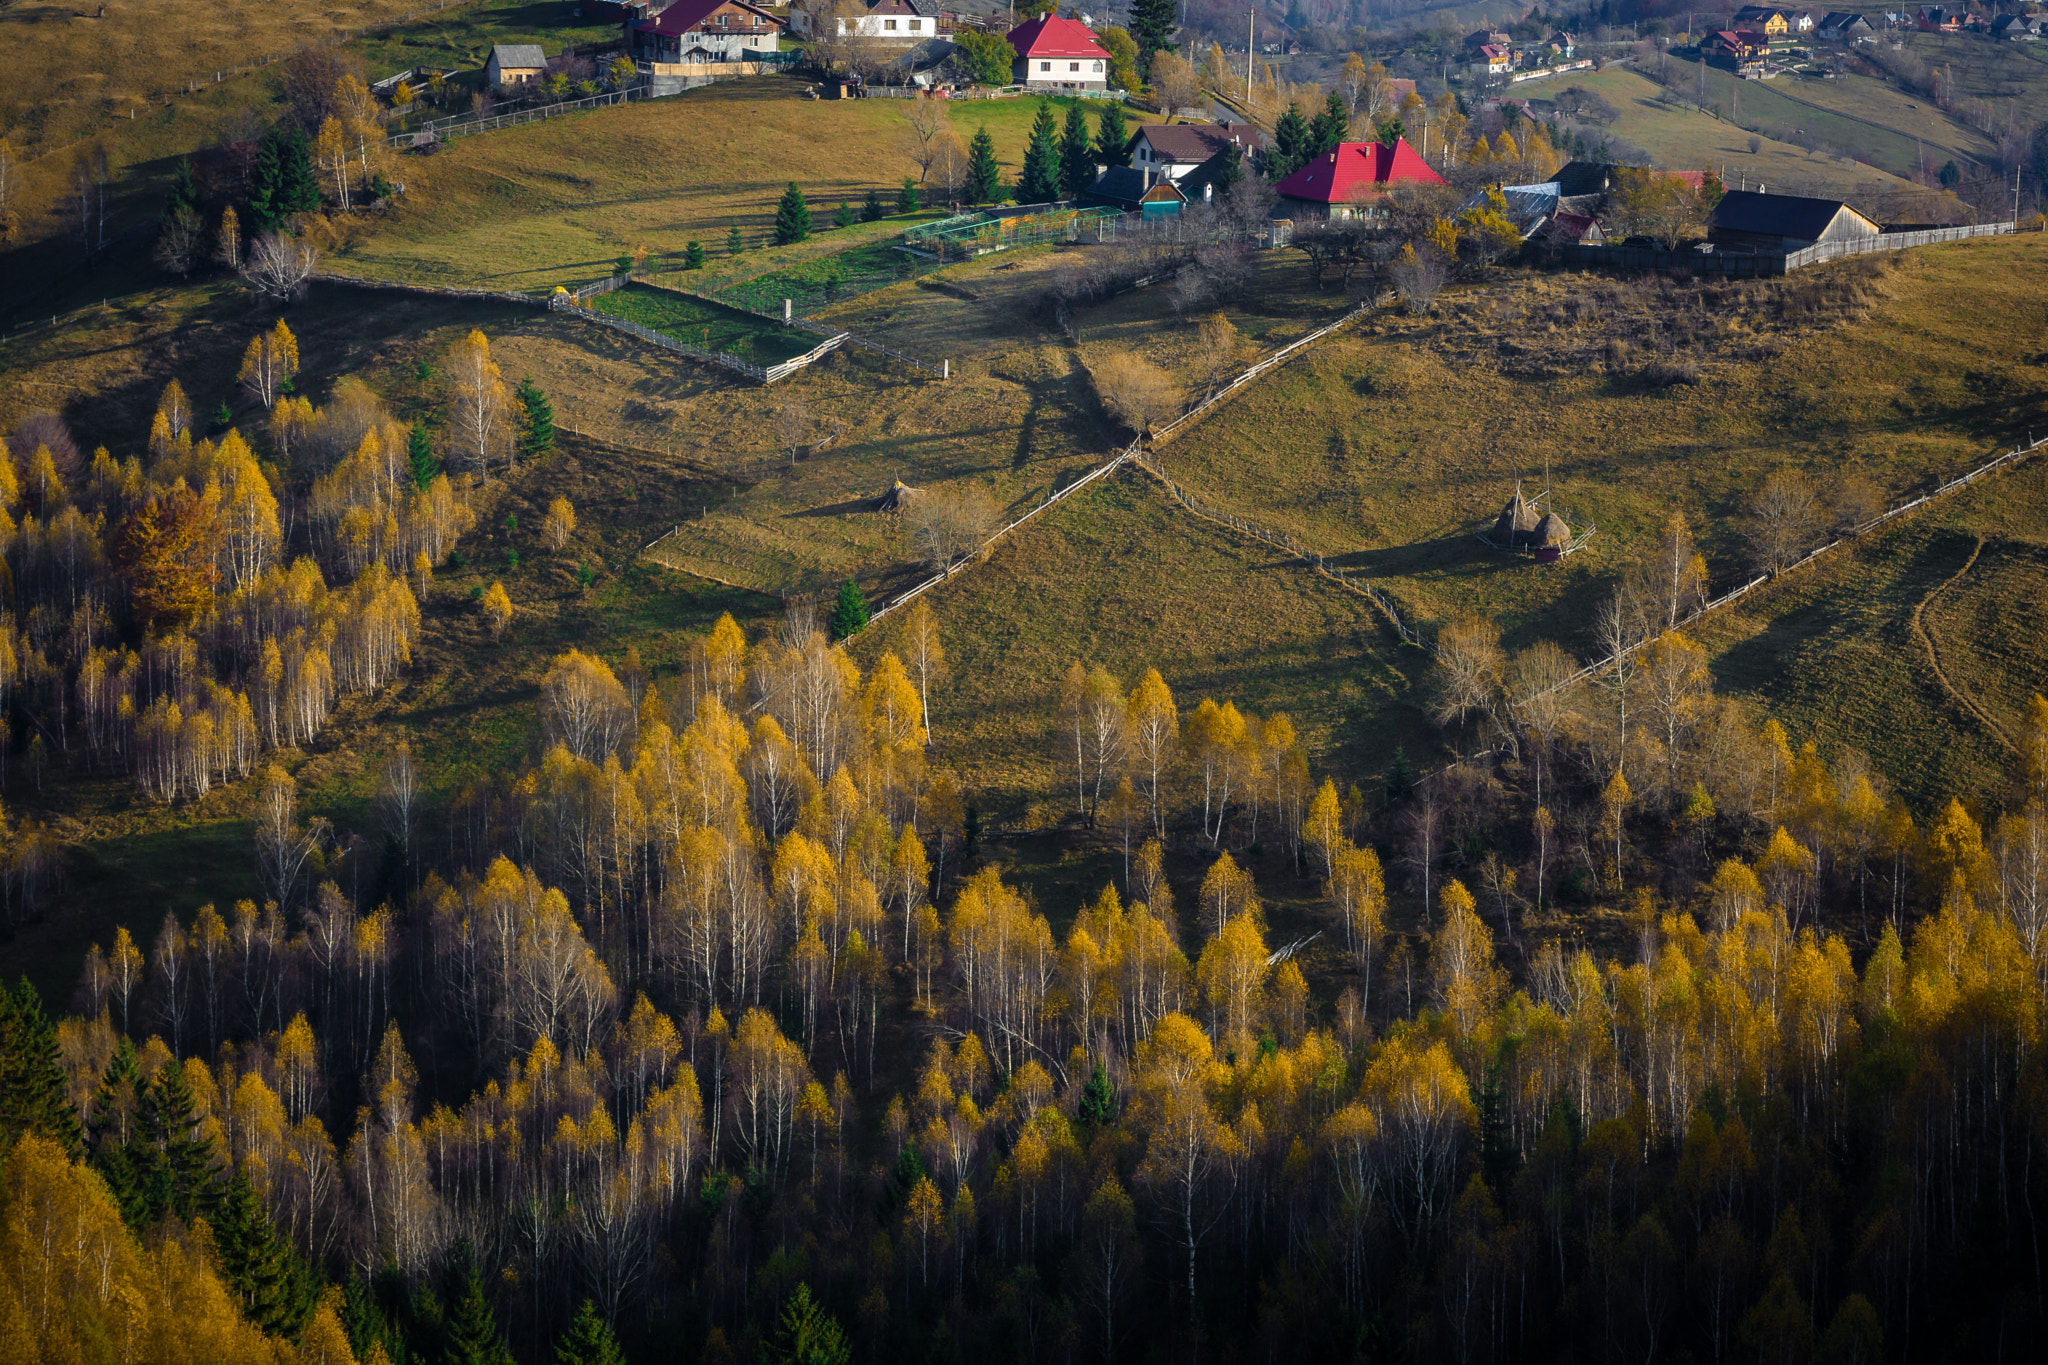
{"x":1112,"y":138}
{"x":588,"y":1341}
{"x":32,"y":1086}
{"x":1291,"y":144}
{"x":1153,"y":24}
{"x":1328,"y":128}
{"x":849,"y":611}
{"x":260,"y":1269}
{"x":419,"y":457}
{"x":1040,"y":182}
{"x":537,"y":422}
{"x":1077,"y":154}
{"x":984,"y":176}
{"x":792,"y":217}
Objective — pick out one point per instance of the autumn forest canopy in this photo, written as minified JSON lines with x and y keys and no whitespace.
{"x":717,"y":1032}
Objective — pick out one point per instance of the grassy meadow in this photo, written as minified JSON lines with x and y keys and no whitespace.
{"x":1676,"y":135}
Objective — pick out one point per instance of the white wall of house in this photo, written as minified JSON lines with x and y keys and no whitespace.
{"x":1086,"y":73}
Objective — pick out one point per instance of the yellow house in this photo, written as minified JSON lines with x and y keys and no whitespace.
{"x":1772,"y":23}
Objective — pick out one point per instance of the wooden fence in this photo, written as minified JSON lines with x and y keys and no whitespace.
{"x":1754,"y":264}
{"x":572,"y":302}
{"x":443,"y":291}
{"x":462,"y":125}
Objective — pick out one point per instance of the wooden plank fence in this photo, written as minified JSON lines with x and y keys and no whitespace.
{"x":463,"y":125}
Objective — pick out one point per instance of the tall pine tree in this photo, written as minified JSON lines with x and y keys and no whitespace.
{"x":1112,"y":138}
{"x":984,"y":176}
{"x":1328,"y":128}
{"x":1290,"y":150}
{"x":283,"y":183}
{"x":1040,"y":182}
{"x":419,"y":457}
{"x":792,"y":217}
{"x":537,"y":422}
{"x":849,"y":611}
{"x":1153,"y":24}
{"x":589,"y":1340}
{"x":1077,"y":156}
{"x":32,"y":1086}
{"x":469,"y":1328}
{"x":265,"y":1278}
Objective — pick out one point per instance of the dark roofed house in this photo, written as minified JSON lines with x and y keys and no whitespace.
{"x":1845,"y":25}
{"x":1135,"y":190}
{"x":2015,"y":28}
{"x":1784,"y":222}
{"x":1571,"y":229}
{"x":1584,"y":177}
{"x":1174,"y":149}
{"x":515,"y":64}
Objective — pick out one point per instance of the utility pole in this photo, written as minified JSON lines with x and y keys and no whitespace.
{"x":1250,"y":36}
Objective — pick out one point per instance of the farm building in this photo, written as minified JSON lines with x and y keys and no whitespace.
{"x":1339,"y":184}
{"x":1784,"y":222}
{"x":706,"y":31}
{"x":1058,"y":54}
{"x":515,"y":64}
{"x":1135,"y":190}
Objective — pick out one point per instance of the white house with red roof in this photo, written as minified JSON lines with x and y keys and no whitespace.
{"x":1058,"y":54}
{"x":706,"y":31}
{"x":1342,"y":183}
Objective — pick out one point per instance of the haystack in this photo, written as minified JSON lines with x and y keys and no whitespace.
{"x":897,"y":499}
{"x":1552,"y":530}
{"x":1517,"y":521}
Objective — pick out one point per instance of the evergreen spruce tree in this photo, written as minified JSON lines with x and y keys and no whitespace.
{"x":984,"y":176}
{"x":1230,"y":168}
{"x":1112,"y":138}
{"x":469,"y":1329}
{"x":871,"y":210}
{"x":283,"y":182}
{"x":1153,"y":24}
{"x":537,"y":425}
{"x":1040,"y":182}
{"x":1077,"y":153}
{"x":1098,"y":1099}
{"x":259,"y":1268}
{"x":1290,"y":149}
{"x":734,"y":243}
{"x":907,"y":198}
{"x":589,"y":1340}
{"x":792,"y":217}
{"x":181,"y":1176}
{"x":693,"y":256}
{"x":1328,"y":128}
{"x":1400,"y":776}
{"x":844,"y":216}
{"x":805,"y":1334}
{"x":184,"y":191}
{"x":32,"y":1085}
{"x":419,"y":456}
{"x":849,"y":611}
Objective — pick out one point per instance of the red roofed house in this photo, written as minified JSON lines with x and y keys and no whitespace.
{"x":705,"y":31}
{"x":1058,"y":54}
{"x":1338,"y":183}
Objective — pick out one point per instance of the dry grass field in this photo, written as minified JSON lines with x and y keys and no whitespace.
{"x":533,"y":206}
{"x":1679,"y":136}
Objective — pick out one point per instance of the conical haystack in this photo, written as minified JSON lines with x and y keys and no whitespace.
{"x":1552,"y":530}
{"x":897,"y":498}
{"x":1517,"y":520}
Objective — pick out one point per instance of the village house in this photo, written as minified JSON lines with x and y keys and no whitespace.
{"x":1345,"y":182}
{"x":1171,"y":150}
{"x":1935,"y":19}
{"x":1135,"y":190}
{"x":2016,"y":28}
{"x":1058,"y":54}
{"x":1486,"y":37}
{"x":1845,"y":26}
{"x":515,"y":64}
{"x":1773,"y":22}
{"x":706,"y":31}
{"x":1784,"y":222}
{"x":1498,"y":61}
{"x":893,"y":23}
{"x":1744,"y":45}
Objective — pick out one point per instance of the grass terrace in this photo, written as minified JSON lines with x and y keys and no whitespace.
{"x":703,"y":324}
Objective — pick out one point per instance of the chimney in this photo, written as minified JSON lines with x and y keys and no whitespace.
{"x":1147,"y":173}
{"x":1208,"y":193}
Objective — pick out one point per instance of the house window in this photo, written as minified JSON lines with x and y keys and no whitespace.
{"x":753,"y":42}
{"x":1098,"y":68}
{"x":916,"y":24}
{"x":889,"y":25}
{"x":1073,"y":66}
{"x":1045,"y":66}
{"x":723,"y":19}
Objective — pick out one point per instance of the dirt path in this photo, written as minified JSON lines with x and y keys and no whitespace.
{"x":1926,"y":638}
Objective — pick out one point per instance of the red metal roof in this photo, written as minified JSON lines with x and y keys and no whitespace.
{"x":1356,"y":169}
{"x":1049,"y":37}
